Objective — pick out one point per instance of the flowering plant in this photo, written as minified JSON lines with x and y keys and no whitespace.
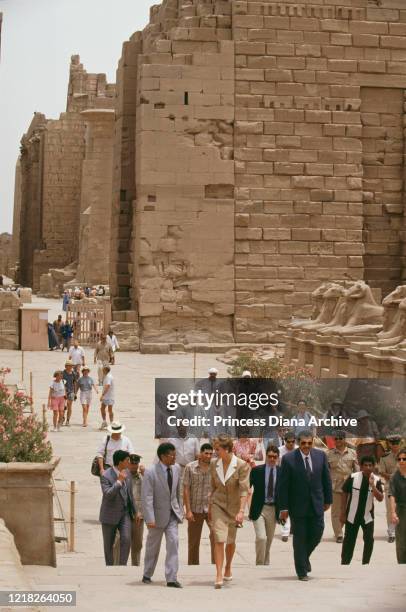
{"x":22,"y":436}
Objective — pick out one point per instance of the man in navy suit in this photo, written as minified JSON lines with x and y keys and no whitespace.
{"x":304,"y":493}
{"x":263,"y":511}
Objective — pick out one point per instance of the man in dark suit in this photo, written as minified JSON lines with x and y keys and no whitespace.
{"x":263,"y":511}
{"x":304,"y":494}
{"x":117,"y":508}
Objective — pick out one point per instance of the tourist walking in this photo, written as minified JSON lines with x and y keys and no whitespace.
{"x":387,"y":467}
{"x":65,"y":301}
{"x":70,"y":377}
{"x":162,"y":514}
{"x":357,"y":510}
{"x":117,"y":507}
{"x":112,"y":341}
{"x":229,"y":491}
{"x":196,"y":483}
{"x":77,"y":355}
{"x":67,"y":333}
{"x":52,"y":338}
{"x":304,"y":494}
{"x":58,"y":324}
{"x":85,"y":386}
{"x":56,"y":400}
{"x":342,"y":462}
{"x":107,"y":397}
{"x":102,"y":356}
{"x":263,"y":510}
{"x":113,"y":441}
{"x":397,"y":497}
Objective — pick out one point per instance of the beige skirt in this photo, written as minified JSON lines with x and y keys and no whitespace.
{"x":223,"y":525}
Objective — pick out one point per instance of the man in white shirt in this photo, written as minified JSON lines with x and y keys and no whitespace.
{"x":187,"y":450}
{"x":112,"y":341}
{"x":107,"y":396}
{"x":77,"y":355}
{"x":112,"y":442}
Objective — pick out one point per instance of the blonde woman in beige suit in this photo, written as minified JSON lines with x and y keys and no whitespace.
{"x":228,"y":498}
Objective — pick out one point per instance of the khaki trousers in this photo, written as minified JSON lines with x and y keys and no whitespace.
{"x":194,"y":534}
{"x":335,"y":514}
{"x":137,"y":533}
{"x":391,"y":526}
{"x":264,"y":531}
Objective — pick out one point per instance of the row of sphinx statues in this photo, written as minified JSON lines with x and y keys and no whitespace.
{"x":349,"y":308}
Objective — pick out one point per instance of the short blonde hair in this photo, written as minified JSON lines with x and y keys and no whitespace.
{"x":225,"y":442}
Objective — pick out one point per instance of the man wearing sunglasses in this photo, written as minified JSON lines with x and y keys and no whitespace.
{"x":304,"y":493}
{"x":342,"y":462}
{"x":263,"y":511}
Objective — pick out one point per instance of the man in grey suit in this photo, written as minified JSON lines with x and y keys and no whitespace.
{"x":161,"y":508}
{"x":117,"y":508}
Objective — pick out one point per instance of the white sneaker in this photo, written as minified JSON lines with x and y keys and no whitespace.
{"x":103,"y":425}
{"x":54,"y":429}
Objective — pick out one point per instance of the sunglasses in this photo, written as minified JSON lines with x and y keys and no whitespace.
{"x":402,"y":459}
{"x":306,"y":443}
{"x":272,"y":456}
{"x":289,"y":441}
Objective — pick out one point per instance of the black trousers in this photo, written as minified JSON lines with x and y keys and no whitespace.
{"x":350,"y":538}
{"x":307,"y":533}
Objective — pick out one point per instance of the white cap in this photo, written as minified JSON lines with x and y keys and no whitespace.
{"x":246,"y":374}
{"x":213,"y":371}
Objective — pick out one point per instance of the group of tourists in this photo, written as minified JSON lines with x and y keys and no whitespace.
{"x":79,"y":293}
{"x":76,"y":380}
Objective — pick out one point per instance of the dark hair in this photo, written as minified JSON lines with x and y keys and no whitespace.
{"x":301,"y":400}
{"x":273,"y":448}
{"x":107,"y":367}
{"x":368,"y":459}
{"x":290,"y":435}
{"x":305,"y":433}
{"x":206,"y":446}
{"x":401,"y":451}
{"x":119,"y":455}
{"x":165,"y":448}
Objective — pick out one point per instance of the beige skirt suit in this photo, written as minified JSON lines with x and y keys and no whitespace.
{"x":226,"y":491}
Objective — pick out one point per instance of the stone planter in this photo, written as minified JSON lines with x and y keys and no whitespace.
{"x":26,"y":505}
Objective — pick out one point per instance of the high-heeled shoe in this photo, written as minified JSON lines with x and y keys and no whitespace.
{"x":227,"y":578}
{"x":218,"y":584}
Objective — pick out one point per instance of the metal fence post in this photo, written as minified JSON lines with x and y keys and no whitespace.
{"x":72,"y":517}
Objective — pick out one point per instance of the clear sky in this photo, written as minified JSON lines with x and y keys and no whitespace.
{"x":38,"y":38}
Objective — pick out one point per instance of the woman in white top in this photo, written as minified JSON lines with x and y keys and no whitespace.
{"x":112,"y":442}
{"x":56,"y":399}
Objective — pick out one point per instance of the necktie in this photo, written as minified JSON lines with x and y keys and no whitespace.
{"x":308,"y":468}
{"x":270,"y":485}
{"x":170,"y":479}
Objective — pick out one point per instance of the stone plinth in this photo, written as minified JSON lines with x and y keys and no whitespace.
{"x":357,"y":366}
{"x":26,"y":505}
{"x":9,"y":316}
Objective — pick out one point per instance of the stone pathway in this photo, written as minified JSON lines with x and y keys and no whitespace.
{"x":378,"y":587}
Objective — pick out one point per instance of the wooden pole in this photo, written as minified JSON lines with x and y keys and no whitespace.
{"x":194,"y":365}
{"x":22,"y":366}
{"x":31,"y":393}
{"x":72,"y":517}
{"x":44,"y":416}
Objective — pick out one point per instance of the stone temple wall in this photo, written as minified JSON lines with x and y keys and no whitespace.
{"x":51,"y":165}
{"x":269,"y":156}
{"x":5,"y":254}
